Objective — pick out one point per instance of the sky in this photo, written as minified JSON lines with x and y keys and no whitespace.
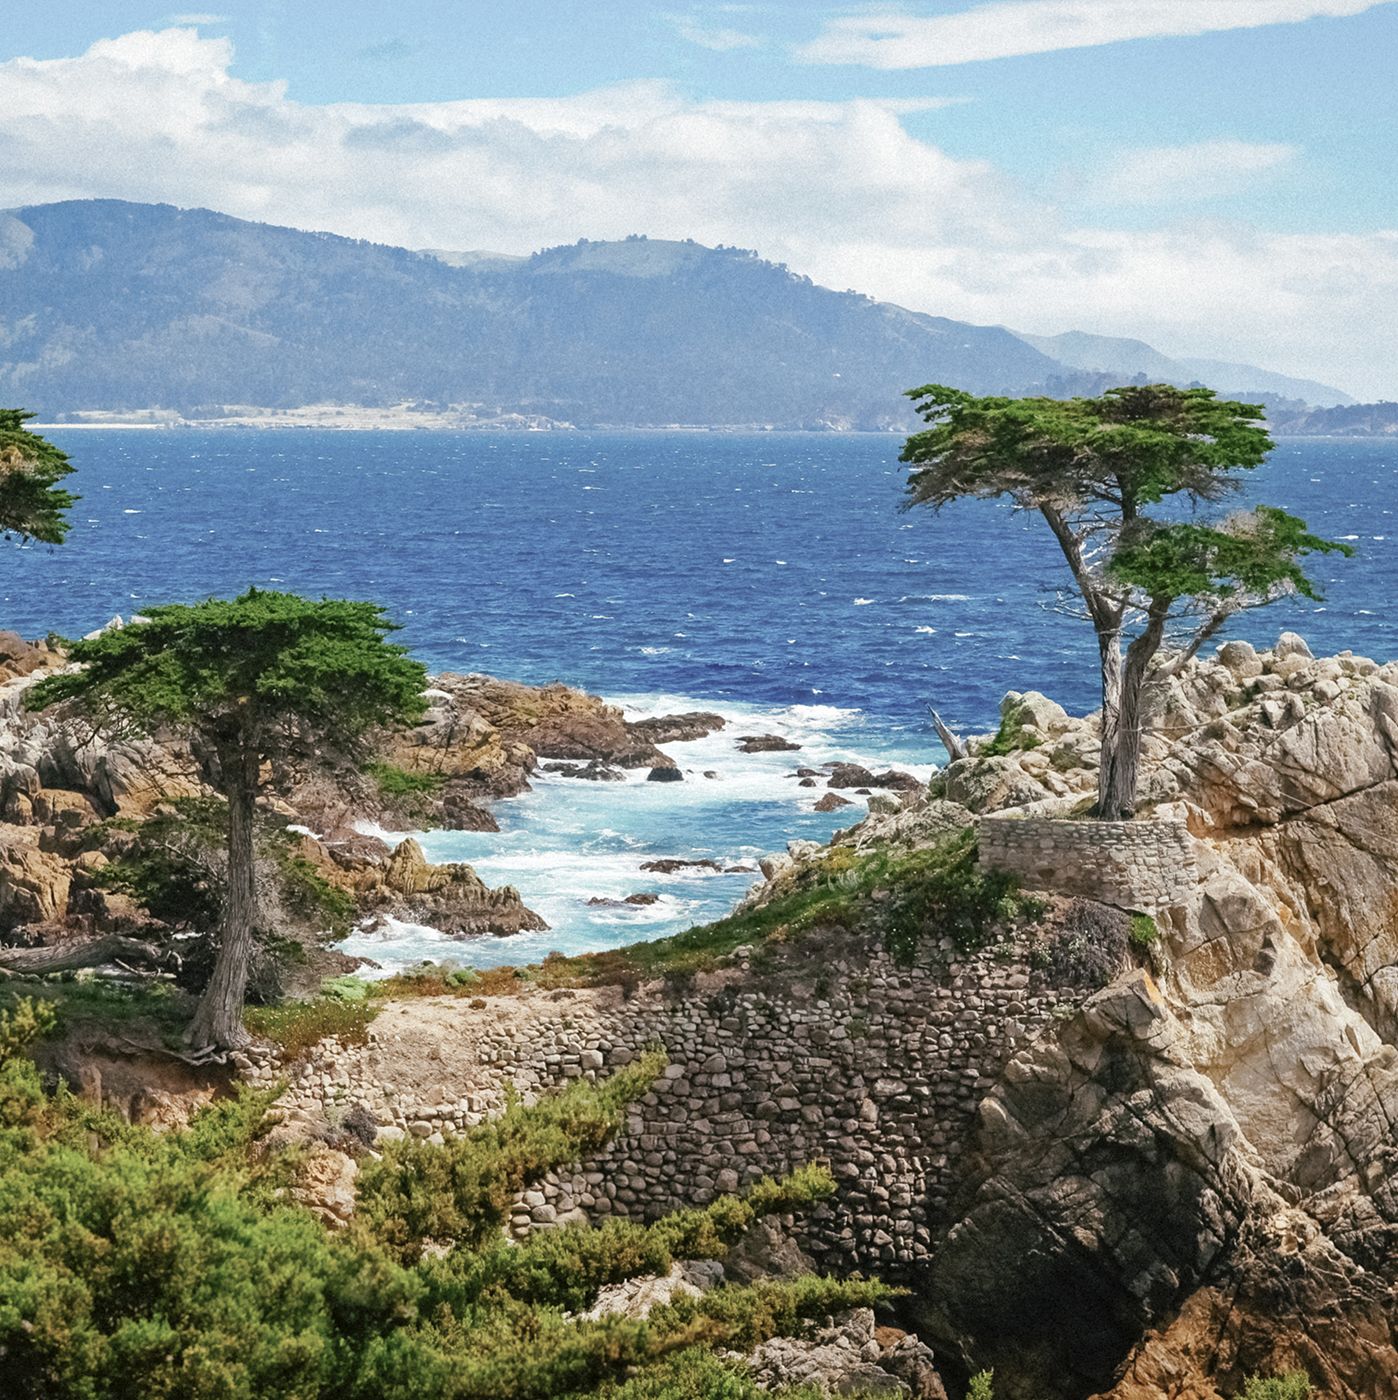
{"x":1216,"y":177}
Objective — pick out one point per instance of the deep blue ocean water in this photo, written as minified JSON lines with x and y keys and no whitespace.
{"x":771,"y":576}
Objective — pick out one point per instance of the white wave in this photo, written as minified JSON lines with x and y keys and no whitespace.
{"x":862,"y":602}
{"x":568,"y":840}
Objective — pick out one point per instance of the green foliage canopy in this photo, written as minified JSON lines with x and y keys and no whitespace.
{"x":1094,"y":466}
{"x":33,"y":506}
{"x":288,"y":672}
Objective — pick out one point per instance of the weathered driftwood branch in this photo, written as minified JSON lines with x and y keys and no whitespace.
{"x":954,"y":747}
{"x":84,"y":952}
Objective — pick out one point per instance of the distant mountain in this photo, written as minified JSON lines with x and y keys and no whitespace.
{"x":1130,"y":359}
{"x":123,"y":306}
{"x":118,"y":307}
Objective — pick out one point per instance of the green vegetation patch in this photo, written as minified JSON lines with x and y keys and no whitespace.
{"x":85,"y":1000}
{"x":393,"y":781}
{"x":1144,"y":933}
{"x":1013,"y":736}
{"x":295,"y":1026}
{"x":135,"y":1263}
{"x":939,"y":892}
{"x":1294,"y":1385}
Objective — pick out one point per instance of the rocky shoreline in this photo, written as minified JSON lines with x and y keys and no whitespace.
{"x":79,"y":813}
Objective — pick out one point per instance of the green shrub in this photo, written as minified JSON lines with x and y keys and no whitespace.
{"x":346,"y":988}
{"x":1013,"y":736}
{"x":1144,"y":933}
{"x":308,"y":895}
{"x":399,"y":782}
{"x":696,"y":1374}
{"x":981,"y":1386}
{"x":136,"y":1264}
{"x":297,"y":1025}
{"x":1294,"y":1385}
{"x":21,"y":1024}
{"x":945,"y":893}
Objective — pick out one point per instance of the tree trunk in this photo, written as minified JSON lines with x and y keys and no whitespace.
{"x":218,"y":1023}
{"x":1110,"y":788}
{"x":1116,"y":783}
{"x":82,"y":952}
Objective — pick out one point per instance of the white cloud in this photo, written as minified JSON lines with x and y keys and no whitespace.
{"x":1010,"y":27}
{"x":717,"y":40}
{"x":1179,"y":174}
{"x":839,"y":190}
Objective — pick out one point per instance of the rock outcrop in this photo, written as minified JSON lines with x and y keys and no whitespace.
{"x":450,"y":898}
{"x":1196,"y":1179}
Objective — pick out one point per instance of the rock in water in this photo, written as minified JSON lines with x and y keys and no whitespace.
{"x":676,"y":729}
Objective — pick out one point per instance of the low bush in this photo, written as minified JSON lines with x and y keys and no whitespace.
{"x":1144,"y":932}
{"x":1294,"y":1385}
{"x":1087,"y":946}
{"x":1013,"y":736}
{"x":944,"y":893}
{"x":136,"y":1264}
{"x":295,"y":1026}
{"x":399,"y":782}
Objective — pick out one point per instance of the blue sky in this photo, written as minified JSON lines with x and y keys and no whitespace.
{"x":1048,"y":164}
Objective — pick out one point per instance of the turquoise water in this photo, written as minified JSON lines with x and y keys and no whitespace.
{"x":769,"y":576}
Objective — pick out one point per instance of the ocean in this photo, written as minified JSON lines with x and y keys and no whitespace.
{"x":771,"y":577}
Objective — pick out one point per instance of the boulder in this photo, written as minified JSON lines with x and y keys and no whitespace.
{"x":676,"y":729}
{"x":34,"y":885}
{"x":1241,"y":659}
{"x":849,"y":775}
{"x":636,"y":1297}
{"x":766,"y":743}
{"x":450,"y":898}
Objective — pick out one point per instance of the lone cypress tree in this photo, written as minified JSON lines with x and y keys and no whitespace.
{"x":267,"y":683}
{"x":32,"y":504}
{"x":1093,"y":468}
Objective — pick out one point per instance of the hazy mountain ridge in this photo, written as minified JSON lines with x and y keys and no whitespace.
{"x":1113,"y":355}
{"x":117,"y":306}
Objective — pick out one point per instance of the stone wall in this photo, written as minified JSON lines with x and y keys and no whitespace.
{"x":831,"y":1053}
{"x":1147,"y":865}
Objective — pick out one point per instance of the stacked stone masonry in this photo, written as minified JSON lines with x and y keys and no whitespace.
{"x":854,"y":1061}
{"x":1146,"y":865}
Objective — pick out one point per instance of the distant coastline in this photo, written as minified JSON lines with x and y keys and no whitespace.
{"x":358,"y":418}
{"x":403,"y":418}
